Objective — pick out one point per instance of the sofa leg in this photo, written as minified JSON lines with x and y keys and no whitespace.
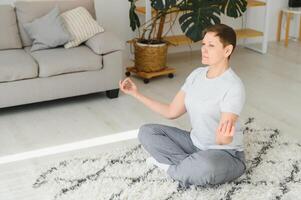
{"x":112,"y":93}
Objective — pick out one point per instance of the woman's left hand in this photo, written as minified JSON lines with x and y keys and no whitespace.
{"x":225,"y":132}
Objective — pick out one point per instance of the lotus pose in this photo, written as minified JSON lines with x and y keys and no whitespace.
{"x":213,"y":96}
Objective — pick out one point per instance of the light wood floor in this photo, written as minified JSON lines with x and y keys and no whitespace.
{"x":273,"y":86}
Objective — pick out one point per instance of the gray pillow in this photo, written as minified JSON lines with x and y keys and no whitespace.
{"x":47,"y":31}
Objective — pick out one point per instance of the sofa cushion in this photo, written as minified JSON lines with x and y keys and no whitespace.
{"x":47,"y":31}
{"x":27,"y":11}
{"x":16,"y":64}
{"x":104,"y":43}
{"x":81,"y":25}
{"x":60,"y":60}
{"x":9,"y":34}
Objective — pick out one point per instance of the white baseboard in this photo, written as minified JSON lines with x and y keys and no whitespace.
{"x":70,"y":146}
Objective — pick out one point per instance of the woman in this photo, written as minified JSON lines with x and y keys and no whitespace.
{"x":213,"y":96}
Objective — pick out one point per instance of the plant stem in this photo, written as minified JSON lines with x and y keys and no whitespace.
{"x":153,"y":26}
{"x":161,"y":27}
{"x":172,"y":24}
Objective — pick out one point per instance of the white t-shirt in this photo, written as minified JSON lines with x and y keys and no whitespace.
{"x":206,"y":99}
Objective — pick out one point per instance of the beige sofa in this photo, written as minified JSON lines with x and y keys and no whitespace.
{"x":28,"y":77}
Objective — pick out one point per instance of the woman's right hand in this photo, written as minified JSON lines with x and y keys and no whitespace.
{"x":128,"y":87}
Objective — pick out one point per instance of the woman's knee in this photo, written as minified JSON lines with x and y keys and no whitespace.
{"x":145,"y":132}
{"x":190,"y":172}
{"x":203,"y":173}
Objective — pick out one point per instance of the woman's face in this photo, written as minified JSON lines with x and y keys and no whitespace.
{"x":213,"y":51}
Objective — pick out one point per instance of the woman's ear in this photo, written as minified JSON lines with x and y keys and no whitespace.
{"x":228,"y":50}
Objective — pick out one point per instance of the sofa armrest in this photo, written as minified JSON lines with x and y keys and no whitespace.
{"x":104,"y":43}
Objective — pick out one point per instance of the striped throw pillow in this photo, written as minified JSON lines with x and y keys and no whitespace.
{"x":81,"y":26}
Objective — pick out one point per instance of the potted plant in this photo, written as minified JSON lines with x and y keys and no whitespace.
{"x":196,"y":15}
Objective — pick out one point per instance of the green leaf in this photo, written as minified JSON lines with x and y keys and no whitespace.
{"x":160,"y":5}
{"x":233,"y":8}
{"x":199,"y":15}
{"x":134,"y":19}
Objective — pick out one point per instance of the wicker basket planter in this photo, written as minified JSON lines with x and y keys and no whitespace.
{"x":150,"y":57}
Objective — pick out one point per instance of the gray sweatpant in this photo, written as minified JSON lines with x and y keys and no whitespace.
{"x":188,"y":164}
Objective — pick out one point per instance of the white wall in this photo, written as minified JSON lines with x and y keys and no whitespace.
{"x":113,"y":15}
{"x":6,"y":1}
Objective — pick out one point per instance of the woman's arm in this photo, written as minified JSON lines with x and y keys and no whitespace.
{"x":171,"y":111}
{"x":231,"y":106}
{"x":226,"y":128}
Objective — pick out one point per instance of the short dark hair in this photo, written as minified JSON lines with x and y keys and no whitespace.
{"x":225,"y":33}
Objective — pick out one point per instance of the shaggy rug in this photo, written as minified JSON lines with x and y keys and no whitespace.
{"x":273,"y":172}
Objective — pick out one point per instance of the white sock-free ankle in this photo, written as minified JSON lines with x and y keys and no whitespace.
{"x":153,"y":161}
